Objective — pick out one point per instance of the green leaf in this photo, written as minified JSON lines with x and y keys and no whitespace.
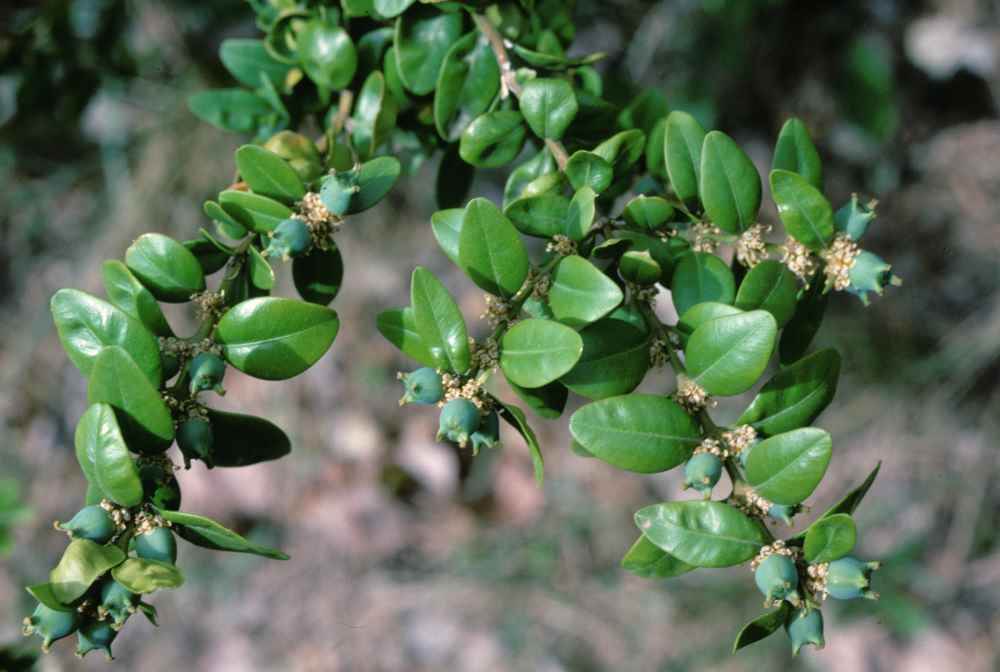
{"x":683,"y":138}
{"x":637,"y":432}
{"x":761,"y":627}
{"x":586,"y":169}
{"x":254,"y":212}
{"x":542,"y":216}
{"x":535,"y":352}
{"x":224,"y":222}
{"x":830,"y":538}
{"x":104,"y":457}
{"x":44,"y":593}
{"x":241,"y":440}
{"x":490,"y":251}
{"x":580,"y":214}
{"x":548,"y":401}
{"x":319,"y":275}
{"x":82,"y":563}
{"x":729,"y":184}
{"x":772,"y":287}
{"x":649,"y":561}
{"x":516,"y":419}
{"x":439,"y":322}
{"x":655,"y":141}
{"x":234,"y":110}
{"x":796,"y":153}
{"x":208,"y":252}
{"x":727,"y":355}
{"x":785,"y":469}
{"x":144,"y":576}
{"x":796,"y":395}
{"x":666,"y":253}
{"x":639,"y":268}
{"x":374,"y":117}
{"x":423,"y":38}
{"x":375,"y":179}
{"x":580,"y":293}
{"x":467,"y":84}
{"x":549,"y":106}
{"x":165,"y":267}
{"x":327,"y":54}
{"x":86,"y":325}
{"x":391,"y":8}
{"x":803,"y":210}
{"x":447,"y":228}
{"x":399,"y":327}
{"x":701,"y":277}
{"x":261,"y":273}
{"x":250,"y":64}
{"x":275,"y":338}
{"x":648,"y":212}
{"x":614,"y":361}
{"x":850,"y":501}
{"x":493,"y":139}
{"x":703,"y":534}
{"x":131,"y":296}
{"x":207,"y":533}
{"x":802,"y":328}
{"x":268,"y":174}
{"x":143,"y":417}
{"x":699,"y":314}
{"x":622,"y":150}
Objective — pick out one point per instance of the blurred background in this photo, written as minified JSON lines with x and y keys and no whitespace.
{"x":397,"y":563}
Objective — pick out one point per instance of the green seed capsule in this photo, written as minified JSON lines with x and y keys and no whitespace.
{"x":459,"y":419}
{"x":90,"y":522}
{"x":870,"y":273}
{"x":207,"y":371}
{"x":488,"y":434}
{"x":849,"y":578}
{"x":158,"y":544}
{"x":195,"y":439}
{"x":422,"y":386}
{"x":291,"y":238}
{"x":777,"y":578}
{"x":805,"y":626}
{"x":118,"y":602}
{"x":50,"y":624}
{"x":95,"y":636}
{"x":854,"y":217}
{"x":702,"y":472}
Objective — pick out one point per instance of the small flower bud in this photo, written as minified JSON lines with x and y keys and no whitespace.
{"x":849,"y":578}
{"x":870,"y":273}
{"x":422,"y":386}
{"x":777,"y":578}
{"x":291,"y":238}
{"x":805,"y":626}
{"x":459,"y":419}
{"x":90,"y":522}
{"x":207,"y":371}
{"x":702,"y":472}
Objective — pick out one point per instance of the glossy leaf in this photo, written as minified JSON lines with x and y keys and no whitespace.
{"x":131,"y":296}
{"x":795,"y":152}
{"x":549,"y":106}
{"x":87,"y":324}
{"x":44,"y":593}
{"x":666,"y":253}
{"x":250,"y":63}
{"x":649,"y":561}
{"x":493,"y":139}
{"x":515,"y":418}
{"x":729,"y":184}
{"x":796,"y":395}
{"x":275,"y":338}
{"x":207,"y":533}
{"x":82,"y":563}
{"x":622,"y":150}
{"x":224,"y":222}
{"x":701,"y":277}
{"x":580,"y":214}
{"x":703,"y":534}
{"x":535,"y":352}
{"x":614,"y":361}
{"x":580,"y":293}
{"x":165,"y":267}
{"x":699,"y":314}
{"x":785,"y":469}
{"x":467,"y":84}
{"x":761,"y":627}
{"x":104,"y":457}
{"x":636,"y":432}
{"x":805,"y":212}
{"x":540,"y":166}
{"x":491,"y":252}
{"x":648,"y":212}
{"x":542,"y":216}
{"x":375,"y":179}
{"x":144,"y":576}
{"x":319,"y":275}
{"x":548,"y":401}
{"x":772,"y":287}
{"x":586,"y":169}
{"x":423,"y":38}
{"x":254,"y":212}
{"x":143,"y":417}
{"x":399,"y":327}
{"x":268,"y":174}
{"x":727,"y":355}
{"x":830,"y":538}
{"x":683,"y":138}
{"x":234,"y":110}
{"x":327,"y":54}
{"x":374,"y":115}
{"x":391,"y":8}
{"x":241,"y":440}
{"x":439,"y":322}
{"x":447,"y":228}
{"x":261,"y":273}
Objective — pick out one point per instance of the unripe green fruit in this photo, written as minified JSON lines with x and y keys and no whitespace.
{"x":777,"y":578}
{"x":50,"y":624}
{"x":702,"y":472}
{"x":422,"y":386}
{"x":870,"y":273}
{"x":95,"y":636}
{"x":488,"y":434}
{"x":459,"y":418}
{"x":90,"y":522}
{"x":207,"y":371}
{"x":291,"y":238}
{"x":158,"y":544}
{"x":853,"y":218}
{"x":783,"y":512}
{"x":805,"y":626}
{"x":849,"y":578}
{"x":195,"y":439}
{"x":118,"y":602}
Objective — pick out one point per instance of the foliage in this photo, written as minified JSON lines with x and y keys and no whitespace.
{"x":605,"y":209}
